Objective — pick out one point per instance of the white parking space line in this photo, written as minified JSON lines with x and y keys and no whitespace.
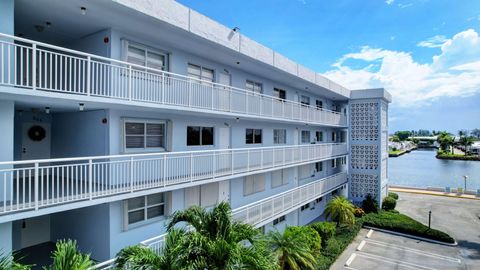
{"x":395,"y":262}
{"x":416,"y":251}
{"x":369,"y":234}
{"x":350,"y":259}
{"x":362,"y":244}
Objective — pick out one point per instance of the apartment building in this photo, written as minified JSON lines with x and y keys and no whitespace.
{"x":117,"y":113}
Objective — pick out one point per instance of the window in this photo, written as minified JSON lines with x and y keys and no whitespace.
{"x":305,"y":171}
{"x":305,"y":100}
{"x":206,"y":195}
{"x":319,"y":104}
{"x":253,"y":136}
{"x":319,"y":136}
{"x":278,"y":220}
{"x":199,"y":136}
{"x":253,"y":86}
{"x":318,"y":200}
{"x":147,"y":57}
{"x":200,"y":73}
{"x":279,"y":136}
{"x":144,"y":134}
{"x":319,"y":166}
{"x":253,"y":184}
{"x":334,"y":136}
{"x":143,"y":208}
{"x":334,"y":163}
{"x":279,"y":93}
{"x":279,"y":178}
{"x":305,"y":136}
{"x":305,"y":207}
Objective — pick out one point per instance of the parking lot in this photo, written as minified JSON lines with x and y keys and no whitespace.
{"x":377,"y":250}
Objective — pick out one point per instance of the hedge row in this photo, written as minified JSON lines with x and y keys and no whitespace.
{"x":394,"y":221}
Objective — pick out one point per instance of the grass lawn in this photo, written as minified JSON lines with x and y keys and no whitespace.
{"x":395,"y":152}
{"x":394,"y":221}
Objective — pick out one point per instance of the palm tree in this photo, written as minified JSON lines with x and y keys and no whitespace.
{"x":466,"y":142}
{"x":67,"y":257}
{"x":141,"y":257}
{"x":445,"y":140}
{"x":291,"y":249}
{"x":210,"y":241}
{"x":7,"y":262}
{"x":217,"y":242}
{"x":340,"y":210}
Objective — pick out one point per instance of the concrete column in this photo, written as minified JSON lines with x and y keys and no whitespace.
{"x":7,"y":16}
{"x":6,"y":236}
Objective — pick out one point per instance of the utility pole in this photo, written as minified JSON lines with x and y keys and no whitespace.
{"x":465,"y":179}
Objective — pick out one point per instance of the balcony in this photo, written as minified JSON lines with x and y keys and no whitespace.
{"x":264,"y":211}
{"x":33,"y":186}
{"x":43,"y":67}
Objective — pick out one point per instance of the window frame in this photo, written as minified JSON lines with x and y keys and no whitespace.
{"x":305,"y":103}
{"x":278,"y":220}
{"x":284,"y":177}
{"x":301,"y":136}
{"x":254,"y":84}
{"x":316,"y":136}
{"x":317,"y":165}
{"x":202,"y":77}
{"x":145,"y":122}
{"x":166,"y":56}
{"x":254,"y":178}
{"x":145,"y":208}
{"x":276,"y":138}
{"x":319,"y":104}
{"x":305,"y":207}
{"x":253,"y":134}
{"x":277,"y":93}
{"x":201,"y":135}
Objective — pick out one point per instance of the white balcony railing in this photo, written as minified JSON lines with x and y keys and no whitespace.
{"x":30,"y":185}
{"x":265,"y":210}
{"x":29,"y":64}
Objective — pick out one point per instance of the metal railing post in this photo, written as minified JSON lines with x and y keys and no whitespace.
{"x":90,"y":178}
{"x":191,"y":167}
{"x":34,"y":66}
{"x":164,"y":170}
{"x":89,"y":70}
{"x":129,"y":82}
{"x":131,"y":174}
{"x":36,"y":186}
{"x":163,"y":87}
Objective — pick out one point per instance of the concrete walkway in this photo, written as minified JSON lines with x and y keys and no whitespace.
{"x":431,"y":192}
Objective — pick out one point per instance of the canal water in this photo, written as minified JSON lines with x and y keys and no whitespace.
{"x":420,"y":168}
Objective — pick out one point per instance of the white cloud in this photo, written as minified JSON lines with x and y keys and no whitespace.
{"x":454,"y":72}
{"x":433,"y":42}
{"x":405,"y":5}
{"x":389,"y":2}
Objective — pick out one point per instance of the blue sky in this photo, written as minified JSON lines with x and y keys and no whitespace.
{"x":425,"y":52}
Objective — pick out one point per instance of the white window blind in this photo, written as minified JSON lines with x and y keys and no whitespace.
{"x":252,"y":86}
{"x":279,"y":178}
{"x":145,"y":56}
{"x":305,"y":171}
{"x":144,"y":134}
{"x":200,"y":73}
{"x":253,"y":184}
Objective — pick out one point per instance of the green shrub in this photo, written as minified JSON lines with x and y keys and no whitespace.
{"x":369,"y":205}
{"x":333,"y":247}
{"x":394,"y":221}
{"x":309,"y":234}
{"x":393,"y":195}
{"x":389,"y":203}
{"x":326,"y":230}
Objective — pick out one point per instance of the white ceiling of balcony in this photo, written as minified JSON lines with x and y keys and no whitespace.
{"x":68,"y":24}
